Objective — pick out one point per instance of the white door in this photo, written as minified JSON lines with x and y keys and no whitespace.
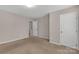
{"x":68,"y":29}
{"x":35,"y":28}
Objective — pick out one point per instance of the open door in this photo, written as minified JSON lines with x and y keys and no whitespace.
{"x":35,"y":28}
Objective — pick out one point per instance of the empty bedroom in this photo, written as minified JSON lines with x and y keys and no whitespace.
{"x":39,"y":29}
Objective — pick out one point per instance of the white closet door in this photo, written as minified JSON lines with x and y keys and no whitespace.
{"x":68,"y":29}
{"x":35,"y":28}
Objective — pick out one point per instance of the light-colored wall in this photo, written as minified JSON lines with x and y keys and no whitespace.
{"x":43,"y":27}
{"x":54,"y":27}
{"x":54,"y":23}
{"x":12,"y":27}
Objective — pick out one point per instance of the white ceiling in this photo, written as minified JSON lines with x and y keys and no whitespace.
{"x":34,"y":12}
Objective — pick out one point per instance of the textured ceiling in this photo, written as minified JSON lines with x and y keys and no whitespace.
{"x":34,"y":12}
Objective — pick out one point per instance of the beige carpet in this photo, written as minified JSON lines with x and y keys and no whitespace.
{"x":34,"y":46}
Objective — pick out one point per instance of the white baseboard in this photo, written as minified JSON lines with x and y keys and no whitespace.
{"x":62,"y":45}
{"x":54,"y":43}
{"x":13,"y":40}
{"x":43,"y":37}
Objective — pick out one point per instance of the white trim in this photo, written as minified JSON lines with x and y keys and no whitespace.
{"x":62,"y":45}
{"x":55,"y":43}
{"x":13,"y":40}
{"x":43,"y":37}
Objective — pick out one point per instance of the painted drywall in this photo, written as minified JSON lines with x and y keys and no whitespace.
{"x":54,"y":27}
{"x":54,"y":23}
{"x":43,"y":27}
{"x":12,"y":27}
